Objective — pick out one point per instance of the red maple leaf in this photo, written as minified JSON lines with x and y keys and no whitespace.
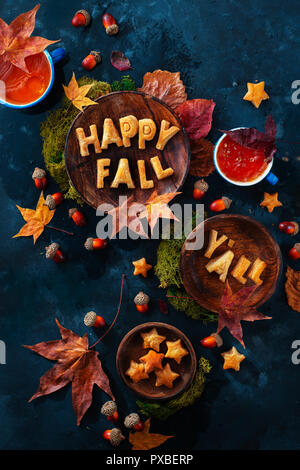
{"x":157,"y":207}
{"x":15,"y":41}
{"x":233,"y":309}
{"x":76,"y":363}
{"x":196,"y":117}
{"x":126,"y":215}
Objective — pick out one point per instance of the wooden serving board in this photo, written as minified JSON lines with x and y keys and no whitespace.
{"x":82,"y":171}
{"x":251,"y":239}
{"x":131,"y":348}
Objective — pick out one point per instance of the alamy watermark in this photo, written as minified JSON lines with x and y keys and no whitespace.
{"x":2,"y":352}
{"x":296,"y":94}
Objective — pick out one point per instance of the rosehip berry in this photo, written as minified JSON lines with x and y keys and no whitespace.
{"x":220,"y":204}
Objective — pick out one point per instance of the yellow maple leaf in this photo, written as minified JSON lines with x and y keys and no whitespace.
{"x":144,"y":440}
{"x":77,"y":94}
{"x":36,"y":219}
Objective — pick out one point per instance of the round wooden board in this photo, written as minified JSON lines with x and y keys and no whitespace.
{"x":251,"y":239}
{"x":131,"y":348}
{"x":82,"y":171}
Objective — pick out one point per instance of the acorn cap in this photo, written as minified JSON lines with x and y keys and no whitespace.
{"x":51,"y":250}
{"x":227,"y":201}
{"x":72,"y":211}
{"x":88,"y":244}
{"x":296,"y":228}
{"x":90,"y":318}
{"x":218,"y":339}
{"x":50,"y":202}
{"x":109,"y":408}
{"x":97,"y":56}
{"x":116,"y":437}
{"x":38,"y":173}
{"x":297,"y":247}
{"x":141,"y":298}
{"x":131,"y":420}
{"x":86,"y":15}
{"x":202,"y":185}
{"x":112,"y":29}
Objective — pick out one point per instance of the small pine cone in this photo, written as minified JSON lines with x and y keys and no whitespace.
{"x":112,"y":29}
{"x":109,"y":408}
{"x":97,"y":56}
{"x":86,"y":15}
{"x":50,"y":202}
{"x":51,"y":250}
{"x":89,"y":244}
{"x":38,"y":173}
{"x":116,"y":437}
{"x":202,"y":185}
{"x":90,"y":319}
{"x":141,"y":298}
{"x":131,"y":420}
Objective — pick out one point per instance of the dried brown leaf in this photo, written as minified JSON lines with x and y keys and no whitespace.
{"x":166,"y":86}
{"x":202,"y":163}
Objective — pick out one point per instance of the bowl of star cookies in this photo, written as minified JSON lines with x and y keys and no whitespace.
{"x":156,"y":360}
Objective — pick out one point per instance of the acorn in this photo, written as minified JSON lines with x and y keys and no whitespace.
{"x":294,"y":252}
{"x":54,"y":252}
{"x":110,"y":24}
{"x":114,"y":436}
{"x":39,"y":177}
{"x":133,"y":421}
{"x":290,"y":228}
{"x":108,"y":408}
{"x":92,"y":244}
{"x":141,"y":301}
{"x":200,"y":188}
{"x":91,"y":319}
{"x":77,"y":217}
{"x":220,"y":204}
{"x":91,"y":60}
{"x":81,"y":18}
{"x":54,"y":200}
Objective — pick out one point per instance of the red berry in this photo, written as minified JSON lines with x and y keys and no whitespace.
{"x":89,"y":62}
{"x":59,"y":257}
{"x":142,"y":308}
{"x":114,"y":418}
{"x":40,"y":183}
{"x":78,"y":20}
{"x":209,"y":342}
{"x":139,"y":426}
{"x":99,"y":243}
{"x":58,"y":198}
{"x":106,"y":434}
{"x":197,"y":193}
{"x":294,"y":252}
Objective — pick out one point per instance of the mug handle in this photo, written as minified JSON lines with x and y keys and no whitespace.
{"x":272,"y":179}
{"x":58,"y":54}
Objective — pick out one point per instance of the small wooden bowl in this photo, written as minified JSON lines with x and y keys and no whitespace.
{"x":131,"y":348}
{"x":251,"y":239}
{"x":82,"y":171}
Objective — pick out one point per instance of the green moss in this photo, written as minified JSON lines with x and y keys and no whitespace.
{"x":54,"y":132}
{"x":167,"y":266}
{"x":163,"y":410}
{"x":126,"y":83}
{"x":182,"y":302}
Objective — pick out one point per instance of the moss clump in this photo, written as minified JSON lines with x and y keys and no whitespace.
{"x":126,"y":83}
{"x":163,"y":410}
{"x":167,"y":267}
{"x":185,"y":304}
{"x":54,"y":132}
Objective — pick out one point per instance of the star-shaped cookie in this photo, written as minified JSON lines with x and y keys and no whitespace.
{"x":141,"y":267}
{"x":270,"y":201}
{"x":137,"y":372}
{"x":232,"y":359}
{"x":165,"y":377}
{"x":152,"y":339}
{"x":152,"y":360}
{"x":176,"y":351}
{"x":256,"y":93}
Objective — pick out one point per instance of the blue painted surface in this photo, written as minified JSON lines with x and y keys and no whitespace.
{"x":218,"y":46}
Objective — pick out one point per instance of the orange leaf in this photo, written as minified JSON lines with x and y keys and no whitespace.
{"x":36,"y":219}
{"x":157,"y":207}
{"x":15,"y":41}
{"x":77,"y":94}
{"x":144,"y":440}
{"x":166,"y":86}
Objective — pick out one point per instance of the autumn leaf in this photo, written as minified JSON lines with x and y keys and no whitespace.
{"x":76,"y":363}
{"x":233,"y":309}
{"x":144,"y":440}
{"x":157,"y":207}
{"x":292,"y":288}
{"x":126,"y":215}
{"x":119,"y":61}
{"x":196,"y":117}
{"x":77,"y":94}
{"x":166,"y":86}
{"x":36,"y":219}
{"x":202,"y":162}
{"x":15,"y":41}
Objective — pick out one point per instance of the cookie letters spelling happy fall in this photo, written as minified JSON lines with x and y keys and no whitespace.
{"x":130,"y":126}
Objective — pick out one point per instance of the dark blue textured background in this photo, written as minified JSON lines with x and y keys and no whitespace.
{"x":213,"y":44}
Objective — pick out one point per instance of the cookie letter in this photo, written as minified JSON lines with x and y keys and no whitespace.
{"x":166,"y":133}
{"x":240,"y":269}
{"x":214,"y":243}
{"x":221,"y":265}
{"x":110,"y":134}
{"x":145,"y":184}
{"x":101,"y":171}
{"x":160,"y":173}
{"x":123,"y":175}
{"x":256,"y":270}
{"x":147,"y":129}
{"x":84,"y":141}
{"x":129,"y":126}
